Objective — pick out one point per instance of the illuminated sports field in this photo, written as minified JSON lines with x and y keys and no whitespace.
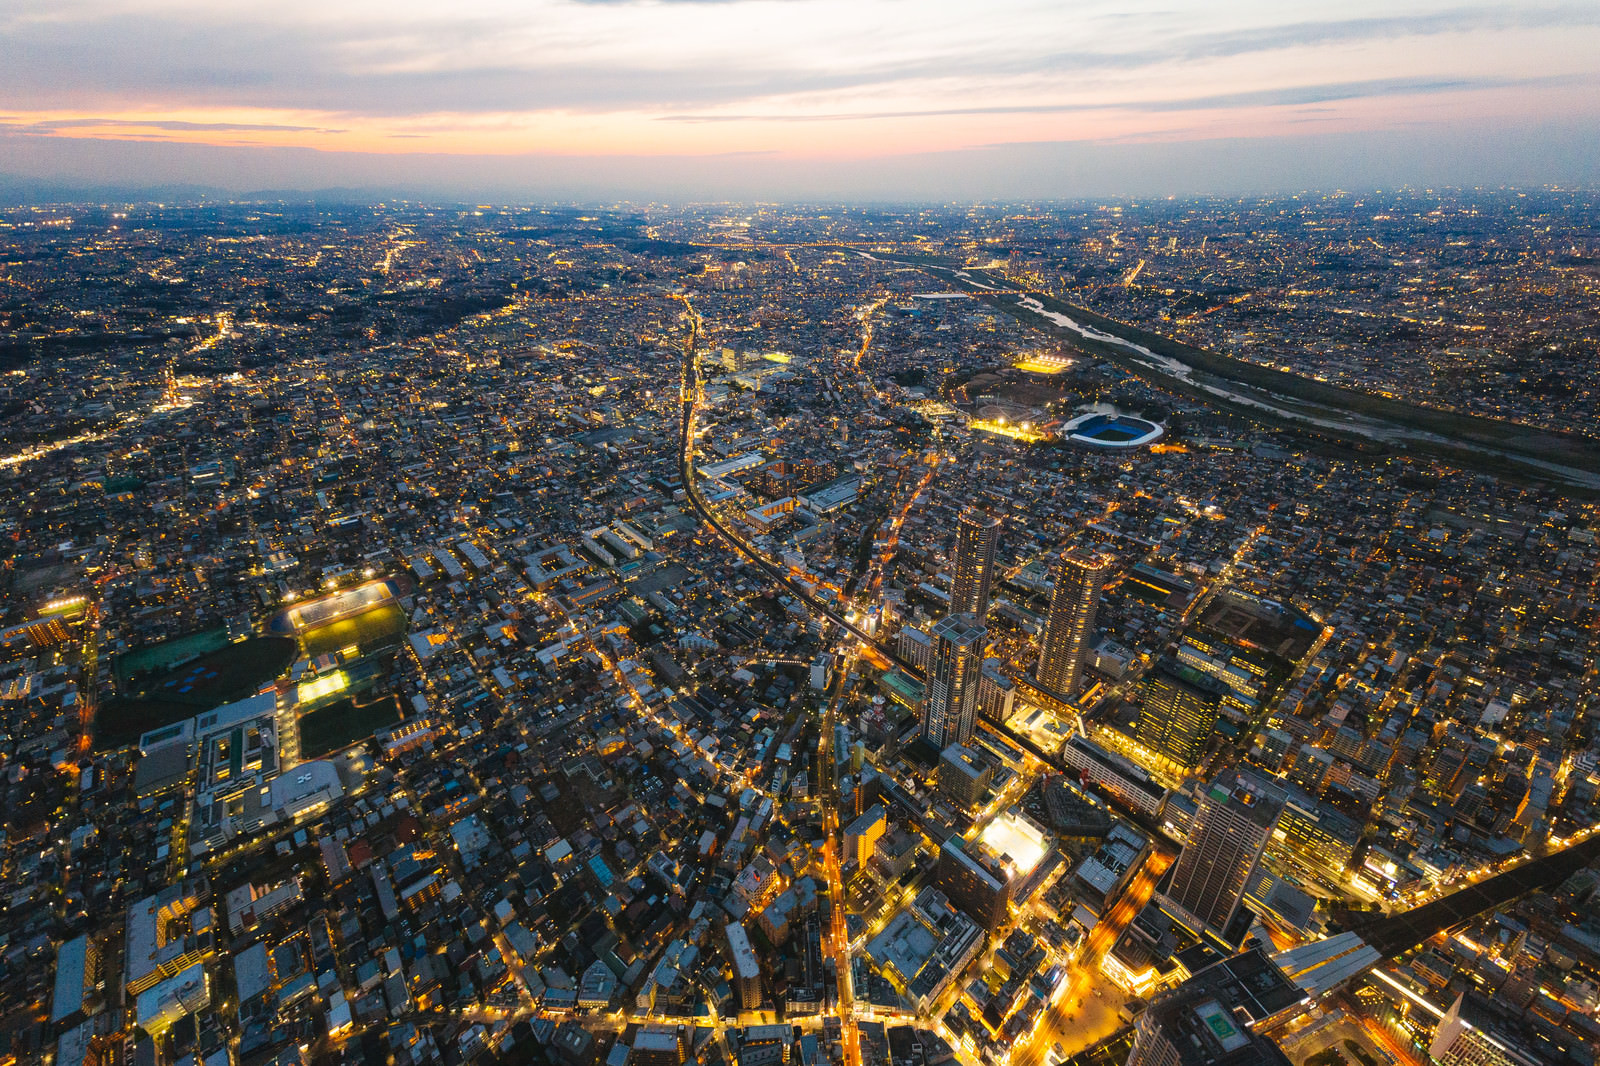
{"x":1043,"y":364}
{"x":365,"y":631}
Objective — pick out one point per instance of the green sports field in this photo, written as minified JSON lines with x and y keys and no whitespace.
{"x":369,"y":631}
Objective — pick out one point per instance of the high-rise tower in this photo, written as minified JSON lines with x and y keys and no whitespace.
{"x":977,"y":533}
{"x":951,"y":705}
{"x":1231,"y":829}
{"x":1071,"y":622}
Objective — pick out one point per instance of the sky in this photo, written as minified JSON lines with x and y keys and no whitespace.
{"x":776,"y":99}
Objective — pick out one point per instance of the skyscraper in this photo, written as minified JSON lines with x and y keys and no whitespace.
{"x":1071,"y":622}
{"x":977,"y":533}
{"x":1180,"y":711}
{"x":951,"y":706}
{"x":1231,"y":829}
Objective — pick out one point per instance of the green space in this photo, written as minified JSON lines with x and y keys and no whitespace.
{"x":369,"y":631}
{"x":134,"y":666}
{"x":341,"y":724}
{"x":223,"y":675}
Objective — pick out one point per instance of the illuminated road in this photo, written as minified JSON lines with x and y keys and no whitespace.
{"x":778,"y":574}
{"x":1077,"y":1019}
{"x":39,"y":451}
{"x":89,"y":676}
{"x":866,"y":343}
{"x":837,"y":937}
{"x":869,"y":593}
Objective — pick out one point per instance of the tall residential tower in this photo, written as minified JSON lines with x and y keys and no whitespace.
{"x":951,"y":706}
{"x":977,"y":533}
{"x":1070,"y":625}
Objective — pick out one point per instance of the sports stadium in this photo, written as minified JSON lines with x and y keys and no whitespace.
{"x":1100,"y":430}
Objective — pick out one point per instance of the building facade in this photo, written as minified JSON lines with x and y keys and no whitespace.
{"x":1232,"y":828}
{"x":1181,"y":706}
{"x":746,"y":970}
{"x":974,"y":882}
{"x":963,"y":776}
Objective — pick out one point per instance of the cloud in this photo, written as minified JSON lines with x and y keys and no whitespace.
{"x":172,"y":125}
{"x":1317,"y":33}
{"x":1356,"y":90}
{"x":579,"y":56}
{"x":1287,"y":96}
{"x":793,"y":76}
{"x":1469,"y":153}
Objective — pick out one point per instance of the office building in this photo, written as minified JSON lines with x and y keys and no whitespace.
{"x":1309,"y":769}
{"x":1272,"y":748}
{"x":1181,"y":706}
{"x":867,"y":792}
{"x":1104,"y":873}
{"x":1317,"y":837}
{"x":168,"y":934}
{"x":997,"y":693}
{"x":764,"y":1045}
{"x":973,"y":880}
{"x":963,"y":776}
{"x":1234,"y":823}
{"x":862,"y":835}
{"x":1069,"y":628}
{"x":1211,"y":1019}
{"x":915,"y":646}
{"x":78,"y":979}
{"x":1125,"y":780}
{"x":573,"y":1044}
{"x":951,"y":706}
{"x":977,"y":534}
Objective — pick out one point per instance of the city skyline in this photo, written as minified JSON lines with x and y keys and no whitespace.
{"x":766,"y":99}
{"x":799,"y":533}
